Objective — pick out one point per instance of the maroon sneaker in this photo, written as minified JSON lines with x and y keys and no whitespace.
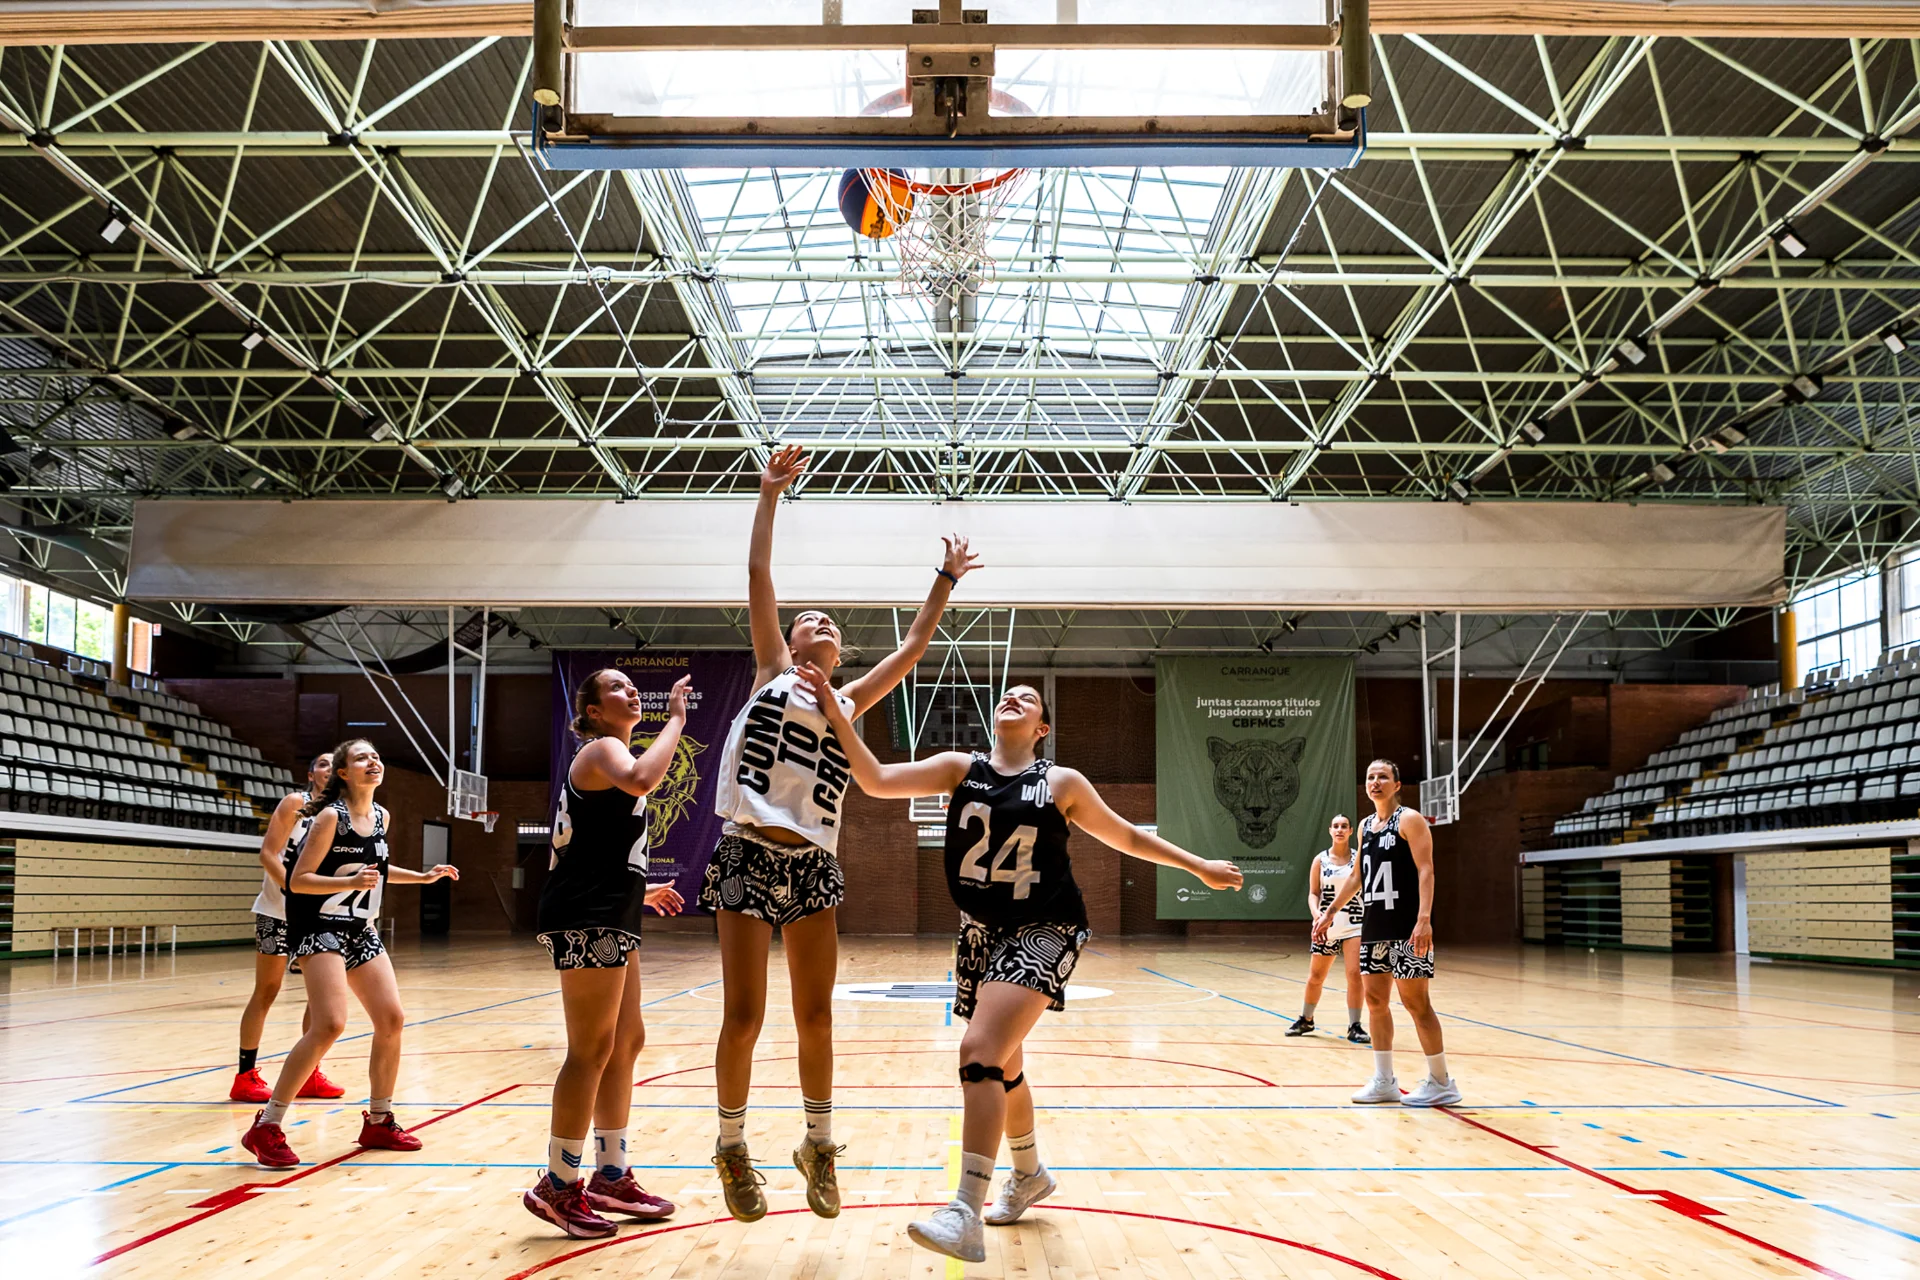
{"x":248,"y":1086}
{"x":624,"y":1195}
{"x":385,"y":1135}
{"x":268,"y":1143}
{"x":566,"y":1207}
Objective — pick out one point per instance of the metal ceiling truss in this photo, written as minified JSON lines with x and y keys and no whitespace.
{"x":328,"y":270}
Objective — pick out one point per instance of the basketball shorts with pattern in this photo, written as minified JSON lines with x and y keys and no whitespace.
{"x":356,"y":946}
{"x":1396,"y":958}
{"x":776,"y":883}
{"x":269,"y":935}
{"x":1337,"y":932}
{"x":1040,"y":957}
{"x":595,"y":947}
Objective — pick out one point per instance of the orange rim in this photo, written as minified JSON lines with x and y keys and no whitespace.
{"x":895,"y":99}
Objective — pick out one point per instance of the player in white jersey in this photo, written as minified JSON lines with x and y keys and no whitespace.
{"x":1329,"y":870}
{"x":782,"y":776}
{"x":278,"y":848}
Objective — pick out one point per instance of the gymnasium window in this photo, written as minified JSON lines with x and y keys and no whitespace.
{"x":79,"y":626}
{"x":1904,"y":626}
{"x":1838,"y":621}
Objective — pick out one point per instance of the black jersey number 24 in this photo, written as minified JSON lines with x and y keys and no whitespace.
{"x":1014,"y":860}
{"x":563,"y":834}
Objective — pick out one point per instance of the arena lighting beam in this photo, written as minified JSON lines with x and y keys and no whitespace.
{"x":1400,"y":556}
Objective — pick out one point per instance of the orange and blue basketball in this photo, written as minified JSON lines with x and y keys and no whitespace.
{"x":875,"y":214}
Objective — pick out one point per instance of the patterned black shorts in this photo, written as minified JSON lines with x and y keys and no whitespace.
{"x":597,"y":947}
{"x":356,"y":946}
{"x":1037,"y":956}
{"x":1396,"y":958}
{"x":269,"y":935}
{"x":1331,"y":947}
{"x":773,"y":883}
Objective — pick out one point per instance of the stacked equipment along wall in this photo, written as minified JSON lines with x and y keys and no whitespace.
{"x":208,"y":893}
{"x":1829,"y":904}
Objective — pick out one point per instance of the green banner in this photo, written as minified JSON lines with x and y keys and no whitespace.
{"x":1254,"y":757}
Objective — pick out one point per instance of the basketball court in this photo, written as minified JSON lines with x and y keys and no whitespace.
{"x":1519,"y":397}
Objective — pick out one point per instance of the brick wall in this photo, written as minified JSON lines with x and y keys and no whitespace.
{"x":1642,"y":718}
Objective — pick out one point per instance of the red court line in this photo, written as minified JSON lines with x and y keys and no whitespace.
{"x":1672,"y":1200}
{"x":220,"y":1202}
{"x":1258,"y":1081}
{"x":1362,"y":1267}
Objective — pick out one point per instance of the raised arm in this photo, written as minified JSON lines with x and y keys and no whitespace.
{"x":893,"y":668}
{"x":608,"y":762}
{"x":306,"y":877}
{"x":273,"y":845}
{"x":1419,"y":837}
{"x":1085,"y":809}
{"x":934,"y":776}
{"x":770,"y":653}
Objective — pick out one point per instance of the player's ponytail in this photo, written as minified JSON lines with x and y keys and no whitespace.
{"x":336,"y":785}
{"x":587,"y":696}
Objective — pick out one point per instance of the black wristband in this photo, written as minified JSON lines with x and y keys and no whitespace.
{"x":949,"y":577}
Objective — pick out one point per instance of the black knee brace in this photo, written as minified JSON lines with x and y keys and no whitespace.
{"x":1011,"y":1085}
{"x":975,"y":1072}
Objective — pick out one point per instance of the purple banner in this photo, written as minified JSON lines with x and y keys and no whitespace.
{"x":685,"y":827}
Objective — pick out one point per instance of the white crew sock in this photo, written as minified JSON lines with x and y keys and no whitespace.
{"x":733,"y":1127}
{"x":1383,"y":1064}
{"x":610,"y":1153}
{"x":1026,"y":1154}
{"x":976,"y":1179}
{"x":1307,"y":1007}
{"x":564,"y":1156}
{"x":274,"y":1112}
{"x":377,"y":1107}
{"x":819,"y":1119}
{"x":1437,"y":1067}
{"x":1353,"y":1016}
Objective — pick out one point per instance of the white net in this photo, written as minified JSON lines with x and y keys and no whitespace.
{"x":944,"y":226}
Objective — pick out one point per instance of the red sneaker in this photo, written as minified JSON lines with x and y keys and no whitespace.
{"x":249,"y":1087}
{"x":624,"y":1195}
{"x":566,"y":1208}
{"x":385,"y":1135}
{"x":318,"y":1086}
{"x":268,"y":1143}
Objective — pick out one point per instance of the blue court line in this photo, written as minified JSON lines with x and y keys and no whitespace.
{"x":1534,"y":1035}
{"x":94,"y":1097}
{"x":1825,"y":1208}
{"x":67,"y":1200}
{"x":1730,"y":1170}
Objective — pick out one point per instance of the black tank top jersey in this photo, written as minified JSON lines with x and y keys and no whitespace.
{"x":1006,"y":851}
{"x":1389,"y":880}
{"x":342,"y":909}
{"x":598,"y":875}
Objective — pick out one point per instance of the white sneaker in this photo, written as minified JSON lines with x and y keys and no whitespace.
{"x":1429,"y":1094}
{"x":1379,"y":1090}
{"x":954,"y":1231}
{"x":1019,"y":1193}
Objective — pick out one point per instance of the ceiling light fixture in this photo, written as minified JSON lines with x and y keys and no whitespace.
{"x":1896,"y":343}
{"x":1533,"y":430}
{"x":1732,"y":435}
{"x":453,"y":487}
{"x":114,"y":227}
{"x":1660,"y":472}
{"x":1808,"y":385}
{"x":253,"y":339}
{"x":1789,"y":240}
{"x":1632,"y":350}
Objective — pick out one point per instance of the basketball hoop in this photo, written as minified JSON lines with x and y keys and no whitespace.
{"x":942,"y":228}
{"x":486,"y":818}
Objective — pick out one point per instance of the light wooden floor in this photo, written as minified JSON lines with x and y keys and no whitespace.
{"x":1627,"y":1115}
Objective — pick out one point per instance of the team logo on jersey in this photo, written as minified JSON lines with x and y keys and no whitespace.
{"x":1256,"y":780}
{"x":672,"y":800}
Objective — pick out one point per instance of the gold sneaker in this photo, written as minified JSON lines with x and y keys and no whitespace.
{"x":740,"y":1183}
{"x":814,"y":1160}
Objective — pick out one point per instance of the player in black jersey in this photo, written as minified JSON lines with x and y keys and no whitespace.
{"x":1022,"y":926}
{"x":589,"y":921}
{"x":333,"y":904}
{"x":285,"y":831}
{"x":1394,"y":877}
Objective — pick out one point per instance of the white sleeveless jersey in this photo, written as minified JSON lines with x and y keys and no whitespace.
{"x":783,"y":766}
{"x":1332,"y":876}
{"x":272,"y":902}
